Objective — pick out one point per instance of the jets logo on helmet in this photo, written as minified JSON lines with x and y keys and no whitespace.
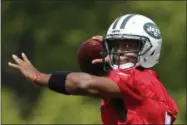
{"x":152,"y":30}
{"x":136,"y":27}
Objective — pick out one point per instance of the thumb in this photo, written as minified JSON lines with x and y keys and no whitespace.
{"x":107,"y":59}
{"x":97,"y":61}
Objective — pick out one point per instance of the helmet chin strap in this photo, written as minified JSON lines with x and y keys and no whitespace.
{"x":124,"y":66}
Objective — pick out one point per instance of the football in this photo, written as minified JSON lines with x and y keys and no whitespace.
{"x":88,"y":51}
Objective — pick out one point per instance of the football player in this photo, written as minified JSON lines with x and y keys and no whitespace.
{"x":131,"y":92}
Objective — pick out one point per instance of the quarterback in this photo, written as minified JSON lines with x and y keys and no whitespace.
{"x":131,"y":92}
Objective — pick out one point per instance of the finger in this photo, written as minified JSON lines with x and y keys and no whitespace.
{"x":98,"y":37}
{"x":95,"y":61}
{"x":13,"y":65}
{"x":25,"y":58}
{"x":107,"y":59}
{"x":17,"y":59}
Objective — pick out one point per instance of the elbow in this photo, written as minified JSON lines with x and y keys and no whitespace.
{"x":80,"y":84}
{"x":85,"y":83}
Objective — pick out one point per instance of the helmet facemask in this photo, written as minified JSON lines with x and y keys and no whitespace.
{"x":121,"y":56}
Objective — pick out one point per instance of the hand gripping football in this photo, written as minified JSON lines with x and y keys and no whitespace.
{"x":88,"y":51}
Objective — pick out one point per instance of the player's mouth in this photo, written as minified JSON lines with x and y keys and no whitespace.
{"x":126,"y":58}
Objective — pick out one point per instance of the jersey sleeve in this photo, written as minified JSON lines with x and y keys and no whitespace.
{"x":127,"y":84}
{"x":173,"y":109}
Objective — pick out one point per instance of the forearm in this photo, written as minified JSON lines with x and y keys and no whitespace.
{"x":56,"y":81}
{"x":43,"y":79}
{"x":72,"y":83}
{"x":80,"y":83}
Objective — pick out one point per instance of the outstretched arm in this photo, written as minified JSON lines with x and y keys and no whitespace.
{"x":73,"y":83}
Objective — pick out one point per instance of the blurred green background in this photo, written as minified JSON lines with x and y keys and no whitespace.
{"x":50,"y":32}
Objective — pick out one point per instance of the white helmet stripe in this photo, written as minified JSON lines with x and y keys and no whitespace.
{"x":120,"y":22}
{"x":115,"y":23}
{"x":126,"y":20}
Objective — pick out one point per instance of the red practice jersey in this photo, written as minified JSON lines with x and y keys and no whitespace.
{"x":144,"y":99}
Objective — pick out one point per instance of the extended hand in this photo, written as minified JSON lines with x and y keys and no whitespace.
{"x":24,"y":66}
